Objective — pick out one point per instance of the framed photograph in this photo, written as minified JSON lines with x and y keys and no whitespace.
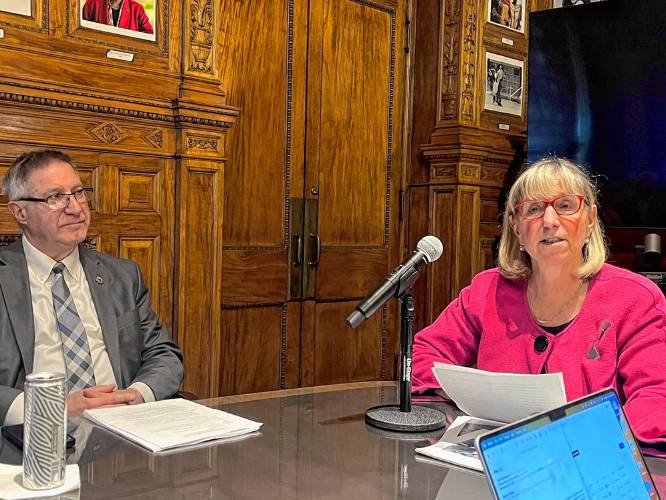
{"x":508,"y":14}
{"x":21,"y":7}
{"x":569,"y":3}
{"x":133,"y":18}
{"x":504,"y":84}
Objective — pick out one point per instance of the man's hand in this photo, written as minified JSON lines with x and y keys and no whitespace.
{"x":99,"y":397}
{"x":138,"y":397}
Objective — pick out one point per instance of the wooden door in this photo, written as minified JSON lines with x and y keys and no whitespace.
{"x":311,"y":189}
{"x":353,"y":171}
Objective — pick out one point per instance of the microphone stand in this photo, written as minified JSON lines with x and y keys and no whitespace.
{"x":405,"y":417}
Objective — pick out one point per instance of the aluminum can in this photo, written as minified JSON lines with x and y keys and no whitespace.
{"x":45,"y":429}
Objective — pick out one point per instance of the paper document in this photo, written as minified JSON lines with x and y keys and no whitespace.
{"x":490,"y":399}
{"x":172,"y":423}
{"x":457,"y":444}
{"x":505,"y":397}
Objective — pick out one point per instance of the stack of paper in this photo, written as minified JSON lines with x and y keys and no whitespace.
{"x":171,"y":423}
{"x":490,"y":400}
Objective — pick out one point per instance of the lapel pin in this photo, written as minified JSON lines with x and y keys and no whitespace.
{"x":99,"y":279}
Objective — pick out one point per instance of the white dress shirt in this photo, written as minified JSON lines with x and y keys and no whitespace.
{"x":48,"y":355}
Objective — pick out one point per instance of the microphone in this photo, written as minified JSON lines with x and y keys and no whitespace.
{"x":428,"y":249}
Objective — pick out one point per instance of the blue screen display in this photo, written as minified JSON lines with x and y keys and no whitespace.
{"x":586,"y":454}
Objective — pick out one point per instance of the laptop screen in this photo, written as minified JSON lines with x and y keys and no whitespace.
{"x":582,"y":450}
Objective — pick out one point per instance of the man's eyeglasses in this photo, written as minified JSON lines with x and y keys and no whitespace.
{"x":566,"y":204}
{"x":59,"y":201}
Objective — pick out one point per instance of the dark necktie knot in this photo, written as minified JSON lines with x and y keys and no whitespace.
{"x":58,"y":268}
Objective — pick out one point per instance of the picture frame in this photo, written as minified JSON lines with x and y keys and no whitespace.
{"x":19,"y":7}
{"x":509,"y":14}
{"x":504,"y":84}
{"x":135,"y":19}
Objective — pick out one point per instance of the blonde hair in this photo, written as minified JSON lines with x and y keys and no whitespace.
{"x":538,"y":182}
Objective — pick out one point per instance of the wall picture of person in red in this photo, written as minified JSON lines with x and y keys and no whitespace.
{"x":125,"y":14}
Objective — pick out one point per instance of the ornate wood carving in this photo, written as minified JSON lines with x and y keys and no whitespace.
{"x":154,"y":138}
{"x":469,"y":58}
{"x":8,"y":239}
{"x":202,"y":143}
{"x":450,"y":58}
{"x":109,"y":133}
{"x":201,"y":36}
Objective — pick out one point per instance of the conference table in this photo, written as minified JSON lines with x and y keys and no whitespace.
{"x":314,"y":443}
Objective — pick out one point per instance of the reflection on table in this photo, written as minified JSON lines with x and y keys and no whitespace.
{"x":314,"y":444}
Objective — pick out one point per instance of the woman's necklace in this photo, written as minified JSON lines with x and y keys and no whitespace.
{"x":546,"y":321}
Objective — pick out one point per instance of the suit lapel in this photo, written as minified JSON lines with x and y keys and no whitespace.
{"x":100,"y":282}
{"x":15,"y":286}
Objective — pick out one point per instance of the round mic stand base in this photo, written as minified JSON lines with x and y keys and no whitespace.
{"x":418,"y":419}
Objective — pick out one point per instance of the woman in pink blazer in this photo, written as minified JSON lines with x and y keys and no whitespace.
{"x":554,"y":305}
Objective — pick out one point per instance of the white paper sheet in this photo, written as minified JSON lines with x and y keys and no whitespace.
{"x":505,"y":397}
{"x":171,"y":423}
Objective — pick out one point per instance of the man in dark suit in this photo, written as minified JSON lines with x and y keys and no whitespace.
{"x":67,"y":309}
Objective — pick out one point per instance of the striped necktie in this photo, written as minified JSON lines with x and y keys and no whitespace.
{"x":72,"y":334}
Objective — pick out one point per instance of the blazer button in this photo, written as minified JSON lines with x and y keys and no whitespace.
{"x":541,"y":343}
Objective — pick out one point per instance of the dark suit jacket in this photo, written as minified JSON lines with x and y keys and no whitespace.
{"x":139,"y":347}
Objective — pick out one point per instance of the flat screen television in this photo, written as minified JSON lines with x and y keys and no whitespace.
{"x":597,"y":95}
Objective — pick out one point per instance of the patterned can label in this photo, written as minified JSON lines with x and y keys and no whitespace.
{"x":44,"y":430}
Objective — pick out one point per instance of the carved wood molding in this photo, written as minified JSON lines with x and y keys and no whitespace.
{"x":389,"y":137}
{"x":289,"y":122}
{"x":7,"y":239}
{"x":469,"y":58}
{"x":283,"y":345}
{"x":450,"y":59}
{"x":108,"y":132}
{"x":467,"y":168}
{"x":124,"y":112}
{"x":155,"y":138}
{"x":384,"y":342}
{"x":202,"y":143}
{"x":433,"y":156}
{"x":201,"y":17}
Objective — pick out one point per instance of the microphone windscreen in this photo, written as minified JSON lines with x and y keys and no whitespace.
{"x":431,"y":246}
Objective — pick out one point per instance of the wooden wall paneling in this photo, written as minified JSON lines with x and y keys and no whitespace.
{"x":253,"y":346}
{"x":308,"y":345}
{"x":441,"y":274}
{"x":134,"y":128}
{"x":345,"y":355}
{"x":417,"y":206}
{"x":263,"y":47}
{"x":467,"y":158}
{"x":424,"y":25}
{"x":198,"y":272}
{"x":467,"y":236}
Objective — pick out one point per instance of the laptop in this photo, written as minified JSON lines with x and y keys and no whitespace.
{"x":581,"y":450}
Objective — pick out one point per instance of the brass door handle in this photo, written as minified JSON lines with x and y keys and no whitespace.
{"x":297,"y":250}
{"x":317,"y":251}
